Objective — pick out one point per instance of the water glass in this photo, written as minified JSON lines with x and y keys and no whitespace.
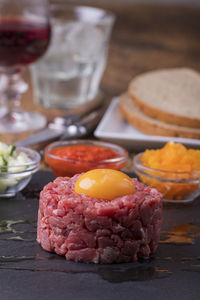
{"x":70,"y":73}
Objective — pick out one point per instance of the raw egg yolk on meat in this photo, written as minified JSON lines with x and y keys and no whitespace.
{"x":105,"y":184}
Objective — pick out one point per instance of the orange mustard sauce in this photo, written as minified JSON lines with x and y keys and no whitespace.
{"x":173,"y":158}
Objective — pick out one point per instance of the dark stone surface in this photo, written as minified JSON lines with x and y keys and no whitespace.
{"x":28,"y":272}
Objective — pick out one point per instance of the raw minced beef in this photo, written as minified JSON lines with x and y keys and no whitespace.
{"x":97,"y":230}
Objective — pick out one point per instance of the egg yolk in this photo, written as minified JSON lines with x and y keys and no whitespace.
{"x":105,"y":184}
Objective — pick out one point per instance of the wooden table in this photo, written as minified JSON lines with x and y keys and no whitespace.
{"x":144,"y":37}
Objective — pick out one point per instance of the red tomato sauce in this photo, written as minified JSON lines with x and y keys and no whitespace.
{"x":70,"y":160}
{"x":84,"y":152}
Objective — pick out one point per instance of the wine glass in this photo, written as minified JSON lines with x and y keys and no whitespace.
{"x":24,"y":37}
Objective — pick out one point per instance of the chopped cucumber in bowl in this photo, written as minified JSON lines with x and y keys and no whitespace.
{"x":16,"y":168}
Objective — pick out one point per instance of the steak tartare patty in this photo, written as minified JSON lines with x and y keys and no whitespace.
{"x":96,"y":230}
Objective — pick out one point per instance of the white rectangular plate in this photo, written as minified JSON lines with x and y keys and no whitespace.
{"x":113,"y":128}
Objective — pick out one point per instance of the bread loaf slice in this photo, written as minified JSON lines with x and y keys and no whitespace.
{"x":169,"y":95}
{"x":148,"y":125}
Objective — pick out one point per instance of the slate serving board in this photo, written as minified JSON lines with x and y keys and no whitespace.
{"x":28,"y":272}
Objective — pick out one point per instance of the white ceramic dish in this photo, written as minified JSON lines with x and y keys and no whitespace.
{"x":113,"y":128}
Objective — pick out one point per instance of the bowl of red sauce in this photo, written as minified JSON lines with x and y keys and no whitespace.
{"x":67,"y":158}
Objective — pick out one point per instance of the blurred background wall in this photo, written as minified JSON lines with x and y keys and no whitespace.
{"x":185,"y":2}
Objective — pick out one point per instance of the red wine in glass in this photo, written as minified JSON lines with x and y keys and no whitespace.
{"x":22,"y":41}
{"x":24,"y":37}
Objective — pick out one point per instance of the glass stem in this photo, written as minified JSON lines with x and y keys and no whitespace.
{"x":12,"y":86}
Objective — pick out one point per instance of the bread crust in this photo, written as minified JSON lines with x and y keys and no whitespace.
{"x":158,"y":113}
{"x":152,"y":126}
{"x":163,"y":115}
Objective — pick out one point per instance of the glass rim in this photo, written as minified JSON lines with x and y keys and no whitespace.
{"x":33,"y":163}
{"x":103,"y":15}
{"x":123,"y":154}
{"x":139,"y":165}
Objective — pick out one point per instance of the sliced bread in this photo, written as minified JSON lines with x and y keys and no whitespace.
{"x":169,"y":95}
{"x":148,"y":125}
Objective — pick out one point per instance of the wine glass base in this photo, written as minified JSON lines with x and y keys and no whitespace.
{"x":3,"y":111}
{"x":17,"y":122}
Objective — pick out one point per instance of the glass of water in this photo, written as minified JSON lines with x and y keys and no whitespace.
{"x":70,"y":73}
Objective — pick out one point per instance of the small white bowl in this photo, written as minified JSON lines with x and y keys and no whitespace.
{"x":18,"y":176}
